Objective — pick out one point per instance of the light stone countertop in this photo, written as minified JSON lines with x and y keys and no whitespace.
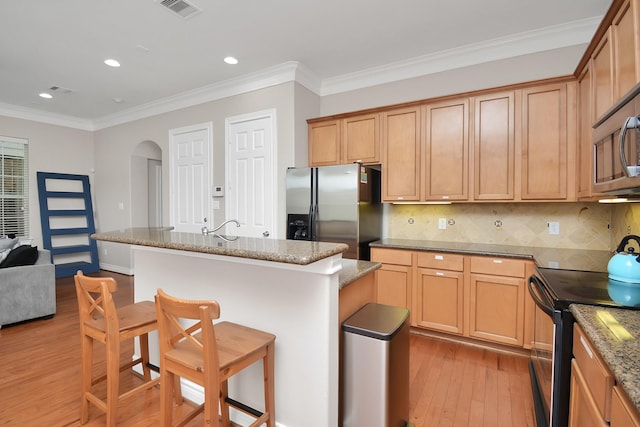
{"x":621,"y":356}
{"x":565,"y":259}
{"x":285,"y":251}
{"x":353,"y":270}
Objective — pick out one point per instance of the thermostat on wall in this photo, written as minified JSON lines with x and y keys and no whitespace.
{"x":218,"y":191}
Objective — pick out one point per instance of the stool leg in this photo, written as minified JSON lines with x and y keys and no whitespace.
{"x":224,"y":406}
{"x":269,"y":384}
{"x":167,"y":383}
{"x":144,"y":351}
{"x":113,"y":381}
{"x":87,"y":366}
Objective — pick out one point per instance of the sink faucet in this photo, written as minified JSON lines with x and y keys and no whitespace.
{"x":206,"y":231}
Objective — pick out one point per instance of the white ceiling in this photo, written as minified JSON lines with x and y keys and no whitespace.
{"x":335,"y":45}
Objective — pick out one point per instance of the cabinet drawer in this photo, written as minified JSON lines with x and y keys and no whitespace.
{"x":596,"y":375}
{"x":442,"y":261}
{"x":623,"y":413}
{"x":498,"y":266}
{"x":391,"y":256}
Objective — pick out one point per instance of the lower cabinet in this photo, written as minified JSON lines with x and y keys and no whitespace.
{"x":623,"y":413}
{"x":394,"y":279}
{"x":479,"y":297}
{"x":439,"y":292}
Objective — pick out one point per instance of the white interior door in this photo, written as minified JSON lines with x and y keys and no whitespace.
{"x":190,"y":177}
{"x":250,"y":174}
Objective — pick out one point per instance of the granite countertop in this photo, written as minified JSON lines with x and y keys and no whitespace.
{"x":565,"y":259}
{"x":285,"y":251}
{"x":622,"y":356}
{"x":353,"y":269}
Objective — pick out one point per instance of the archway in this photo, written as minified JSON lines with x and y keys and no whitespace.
{"x":146,"y":185}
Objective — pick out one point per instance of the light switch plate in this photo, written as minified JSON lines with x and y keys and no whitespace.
{"x":554,"y":227}
{"x":442,"y":223}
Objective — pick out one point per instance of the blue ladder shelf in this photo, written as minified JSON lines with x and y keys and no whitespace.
{"x":86,"y":253}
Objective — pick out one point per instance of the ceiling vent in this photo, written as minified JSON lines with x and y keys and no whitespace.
{"x":181,"y":7}
{"x":60,"y":89}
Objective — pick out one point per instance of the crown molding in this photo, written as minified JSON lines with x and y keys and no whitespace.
{"x":554,"y":37}
{"x":24,"y":113}
{"x":272,"y":76}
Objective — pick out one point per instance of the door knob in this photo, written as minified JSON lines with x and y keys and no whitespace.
{"x":266,"y":234}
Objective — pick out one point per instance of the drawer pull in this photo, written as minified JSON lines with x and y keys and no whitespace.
{"x":439,"y":273}
{"x":438,"y":257}
{"x":497,"y":261}
{"x":586,"y":347}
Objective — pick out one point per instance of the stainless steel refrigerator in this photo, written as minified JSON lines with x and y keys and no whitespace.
{"x":339,"y":204}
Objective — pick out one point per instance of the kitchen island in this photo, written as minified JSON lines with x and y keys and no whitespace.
{"x":288,"y":288}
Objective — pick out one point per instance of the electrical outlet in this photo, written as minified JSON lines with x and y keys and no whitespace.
{"x":554,"y":227}
{"x":442,"y":223}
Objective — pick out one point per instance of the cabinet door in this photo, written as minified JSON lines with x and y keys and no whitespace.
{"x":626,"y":42}
{"x":584,"y":145}
{"x":582,"y":409}
{"x":438,"y":301}
{"x":602,"y":75}
{"x":494,"y":147}
{"x":401,"y":155}
{"x":544,"y":143}
{"x":392,"y":285}
{"x":324,"y":143}
{"x":623,"y":413}
{"x":446,"y":157}
{"x":496,"y":306}
{"x":361,"y":139}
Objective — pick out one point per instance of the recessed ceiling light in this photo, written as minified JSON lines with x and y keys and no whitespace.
{"x":46,"y":95}
{"x":230,"y":60}
{"x":112,"y":63}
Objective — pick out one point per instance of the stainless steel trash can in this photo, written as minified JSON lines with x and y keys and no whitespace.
{"x":376,"y":367}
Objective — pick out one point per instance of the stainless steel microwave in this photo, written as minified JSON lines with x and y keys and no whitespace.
{"x":616,"y":147}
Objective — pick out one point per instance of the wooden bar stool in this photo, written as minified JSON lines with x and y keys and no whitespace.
{"x":100,"y":321}
{"x":209,"y":355}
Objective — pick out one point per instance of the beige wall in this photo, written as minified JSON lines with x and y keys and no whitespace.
{"x":51,"y":149}
{"x":582,"y":225}
{"x":626,"y":220}
{"x":114,"y":147}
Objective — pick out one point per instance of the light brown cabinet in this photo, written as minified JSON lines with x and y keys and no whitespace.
{"x":625,"y":33}
{"x":324,"y":143}
{"x":401,"y":144}
{"x":591,"y":384}
{"x":544,"y":135}
{"x":439,"y":292}
{"x":493,"y":136}
{"x":602,"y":75}
{"x":446,"y":156}
{"x":623,"y":414}
{"x":342,"y":141}
{"x":496,"y":300}
{"x":394,"y":278}
{"x":584,"y":143}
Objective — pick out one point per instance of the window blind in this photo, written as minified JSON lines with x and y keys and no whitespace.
{"x":14,"y":186}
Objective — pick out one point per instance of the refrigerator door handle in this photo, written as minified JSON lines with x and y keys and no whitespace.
{"x":314,"y":204}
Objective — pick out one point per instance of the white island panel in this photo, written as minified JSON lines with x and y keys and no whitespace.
{"x":297,"y":303}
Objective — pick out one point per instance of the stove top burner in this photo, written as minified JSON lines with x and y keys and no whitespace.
{"x":587,"y":287}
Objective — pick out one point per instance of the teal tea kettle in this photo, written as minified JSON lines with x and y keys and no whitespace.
{"x":624,"y":266}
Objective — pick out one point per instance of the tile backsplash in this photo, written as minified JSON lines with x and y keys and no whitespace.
{"x":581,"y":225}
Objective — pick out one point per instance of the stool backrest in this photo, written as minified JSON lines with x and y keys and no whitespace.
{"x":95,"y":302}
{"x":174,"y":314}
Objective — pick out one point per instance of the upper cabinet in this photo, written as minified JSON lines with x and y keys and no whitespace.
{"x":602,"y":75}
{"x":361,"y":139}
{"x":544,"y":143}
{"x":446,"y":156}
{"x":348,"y":140}
{"x":493,"y":136}
{"x":401,"y":144}
{"x":324,"y":143}
{"x":626,"y":42}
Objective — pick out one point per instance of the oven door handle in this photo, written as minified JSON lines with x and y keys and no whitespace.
{"x":547,"y":307}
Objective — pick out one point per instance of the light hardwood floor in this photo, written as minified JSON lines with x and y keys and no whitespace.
{"x":451,"y":384}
